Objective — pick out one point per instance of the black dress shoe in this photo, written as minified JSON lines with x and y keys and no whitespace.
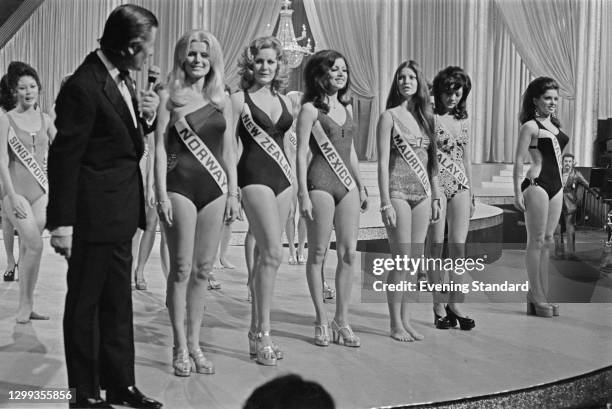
{"x":131,"y":396}
{"x":90,"y":403}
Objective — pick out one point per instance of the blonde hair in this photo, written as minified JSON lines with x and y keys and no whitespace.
{"x":213,"y":88}
{"x":246,"y":63}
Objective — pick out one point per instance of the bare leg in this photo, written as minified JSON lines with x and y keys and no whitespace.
{"x":181,"y":240}
{"x":163,"y":253}
{"x":266,"y":214}
{"x":435,"y":241}
{"x":301,"y":238}
{"x":536,"y":216}
{"x":226,"y":235}
{"x":207,"y":235}
{"x":319,"y":230}
{"x":554,"y":212}
{"x":458,"y":216}
{"x":290,"y":232}
{"x":30,"y":230}
{"x":146,"y":245}
{"x":8,"y":233}
{"x":346,"y":224}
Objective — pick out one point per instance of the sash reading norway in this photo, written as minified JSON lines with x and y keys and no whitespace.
{"x":27,"y":160}
{"x":201,"y":152}
{"x":332,"y":156}
{"x":452,"y":168}
{"x":266,"y":142}
{"x":408,"y":154}
{"x":556,"y":147}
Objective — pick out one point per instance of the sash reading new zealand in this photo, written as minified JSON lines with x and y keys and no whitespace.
{"x":332,"y":156}
{"x":545,"y":133}
{"x":266,"y":142}
{"x":201,"y":152}
{"x":27,"y":160}
{"x":410,"y":156}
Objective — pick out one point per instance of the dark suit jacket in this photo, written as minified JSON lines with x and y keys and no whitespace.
{"x":95,"y":183}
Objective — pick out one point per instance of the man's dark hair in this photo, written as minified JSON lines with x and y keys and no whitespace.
{"x":569,"y":155}
{"x":125,"y":27}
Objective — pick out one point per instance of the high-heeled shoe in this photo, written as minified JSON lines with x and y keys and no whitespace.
{"x":9,"y":275}
{"x":141,"y":284}
{"x":253,"y":346}
{"x":555,"y":308}
{"x":202,"y":364}
{"x":181,"y":362}
{"x":538,"y":309}
{"x":344,"y":335}
{"x":264,"y":354}
{"x":321,"y":335}
{"x":465,"y":323}
{"x":328,"y":292}
{"x":441,"y":322}
{"x":292,"y":260}
{"x":301,"y":259}
{"x":213,"y":284}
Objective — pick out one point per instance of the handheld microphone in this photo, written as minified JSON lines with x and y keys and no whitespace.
{"x":153,"y":76}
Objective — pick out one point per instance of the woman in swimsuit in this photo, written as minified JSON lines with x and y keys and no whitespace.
{"x":194,"y":168}
{"x":451,"y":88}
{"x":328,"y":198}
{"x":7,"y":102}
{"x":540,"y":195}
{"x":408,"y":181}
{"x":264,"y":177}
{"x":29,"y":132}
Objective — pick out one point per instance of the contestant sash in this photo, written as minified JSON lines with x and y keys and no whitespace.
{"x":556,"y":147}
{"x":27,"y":160}
{"x":452,"y":167}
{"x":332,"y":156}
{"x":409,"y":155}
{"x":200,"y":151}
{"x":266,"y":142}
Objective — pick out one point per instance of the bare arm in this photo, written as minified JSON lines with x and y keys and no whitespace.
{"x":306,"y":119}
{"x":383,"y":148}
{"x":229,"y":162}
{"x":527,"y":134}
{"x":161,"y":157}
{"x":7,"y":183}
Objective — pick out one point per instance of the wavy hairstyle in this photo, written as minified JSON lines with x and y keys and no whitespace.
{"x":15,"y":71}
{"x":214,"y":85}
{"x":420,"y":108}
{"x":447,"y":81}
{"x":246,"y":63}
{"x":536,"y":89}
{"x":316,"y":79}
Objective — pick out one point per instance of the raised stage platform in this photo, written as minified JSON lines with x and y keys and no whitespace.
{"x":506,"y":351}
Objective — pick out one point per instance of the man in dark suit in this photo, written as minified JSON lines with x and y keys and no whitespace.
{"x":96,"y":203}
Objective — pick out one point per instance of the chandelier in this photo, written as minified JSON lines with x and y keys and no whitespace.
{"x":285,"y":34}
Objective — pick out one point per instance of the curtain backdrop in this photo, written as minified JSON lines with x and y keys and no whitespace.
{"x":357,"y":39}
{"x":500,"y":44}
{"x":566,"y":48}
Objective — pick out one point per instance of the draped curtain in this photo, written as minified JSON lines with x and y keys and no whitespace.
{"x":560,"y":39}
{"x":235,"y":23}
{"x":605,"y":74}
{"x":350,"y":27}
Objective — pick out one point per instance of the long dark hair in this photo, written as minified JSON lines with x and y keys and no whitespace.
{"x":447,"y":81}
{"x":420,"y":108}
{"x":536,"y":89}
{"x":316,"y":84}
{"x":8,"y":83}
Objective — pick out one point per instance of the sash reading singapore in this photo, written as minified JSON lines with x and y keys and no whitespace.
{"x":201,"y":152}
{"x":28,"y":160}
{"x":408,"y":154}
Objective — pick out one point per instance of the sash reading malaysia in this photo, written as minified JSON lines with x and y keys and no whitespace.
{"x":201,"y":152}
{"x":266,"y":142}
{"x":27,"y":160}
{"x":410,"y":156}
{"x":555,"y":143}
{"x":332,"y":156}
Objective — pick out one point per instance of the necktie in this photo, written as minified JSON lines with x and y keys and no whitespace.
{"x":131,"y":86}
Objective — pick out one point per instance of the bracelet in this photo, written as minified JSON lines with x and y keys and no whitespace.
{"x":435,"y":198}
{"x":385,"y":207}
{"x":160,"y":202}
{"x":233,"y":194}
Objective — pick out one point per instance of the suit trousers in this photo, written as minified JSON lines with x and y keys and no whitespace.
{"x":98,"y":328}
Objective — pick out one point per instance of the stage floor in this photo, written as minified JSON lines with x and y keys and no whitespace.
{"x":507,"y":349}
